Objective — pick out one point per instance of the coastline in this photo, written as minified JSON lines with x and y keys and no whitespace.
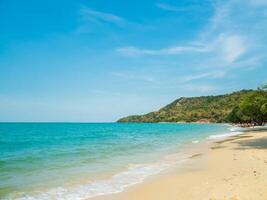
{"x":138,"y":153}
{"x":228,"y":168}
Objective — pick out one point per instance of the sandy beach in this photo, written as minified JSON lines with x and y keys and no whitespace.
{"x":234,"y":168}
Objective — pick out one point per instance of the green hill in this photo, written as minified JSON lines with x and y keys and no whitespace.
{"x":194,"y":109}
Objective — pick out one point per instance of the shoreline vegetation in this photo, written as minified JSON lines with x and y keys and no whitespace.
{"x":245,"y":108}
{"x":231,"y":168}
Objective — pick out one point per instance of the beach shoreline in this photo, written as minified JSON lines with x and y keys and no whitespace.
{"x":233,"y":168}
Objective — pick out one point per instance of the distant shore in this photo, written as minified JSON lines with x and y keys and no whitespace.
{"x":234,"y":168}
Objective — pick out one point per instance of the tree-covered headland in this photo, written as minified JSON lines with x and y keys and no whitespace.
{"x":243,"y":107}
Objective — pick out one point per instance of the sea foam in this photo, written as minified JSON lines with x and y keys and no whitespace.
{"x":116,"y":184}
{"x":233,"y":131}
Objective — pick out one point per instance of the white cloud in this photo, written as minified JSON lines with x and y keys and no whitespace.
{"x":167,"y":7}
{"x":250,"y":62}
{"x":131,"y":76}
{"x":101,"y":17}
{"x":231,"y":47}
{"x":231,"y":39}
{"x":172,"y":8}
{"x":202,"y":88}
{"x":228,"y":48}
{"x":217,"y":21}
{"x":212,"y":74}
{"x":174,"y":50}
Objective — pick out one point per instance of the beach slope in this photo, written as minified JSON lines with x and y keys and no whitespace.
{"x":231,"y":169}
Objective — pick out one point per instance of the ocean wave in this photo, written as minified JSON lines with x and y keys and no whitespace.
{"x":236,"y":129}
{"x":220,"y":136}
{"x":233,"y":131}
{"x":135,"y":174}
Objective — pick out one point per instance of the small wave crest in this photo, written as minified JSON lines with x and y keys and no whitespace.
{"x":224,"y":135}
{"x":117,"y":183}
{"x":233,"y":131}
{"x":236,"y":129}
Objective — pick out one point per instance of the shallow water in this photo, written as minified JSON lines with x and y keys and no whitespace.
{"x":82,"y":160}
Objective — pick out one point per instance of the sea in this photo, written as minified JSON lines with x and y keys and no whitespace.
{"x":76,"y":161}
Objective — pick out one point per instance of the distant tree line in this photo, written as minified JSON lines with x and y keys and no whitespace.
{"x":252,"y":109}
{"x":245,"y":107}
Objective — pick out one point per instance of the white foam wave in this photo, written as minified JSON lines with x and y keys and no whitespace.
{"x":236,"y":129}
{"x":233,"y":131}
{"x":116,"y":184}
{"x":220,"y":136}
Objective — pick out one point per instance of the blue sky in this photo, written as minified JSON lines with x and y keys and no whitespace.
{"x":98,"y":60}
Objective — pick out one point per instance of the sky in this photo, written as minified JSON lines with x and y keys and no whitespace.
{"x":99,"y":60}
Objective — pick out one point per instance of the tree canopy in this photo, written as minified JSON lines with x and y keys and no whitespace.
{"x":252,"y":109}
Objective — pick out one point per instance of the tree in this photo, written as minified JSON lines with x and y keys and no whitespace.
{"x":253,"y":107}
{"x":264,"y":110}
{"x":234,"y":116}
{"x":263,"y":87}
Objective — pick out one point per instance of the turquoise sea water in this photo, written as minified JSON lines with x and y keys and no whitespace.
{"x":83,"y":160}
